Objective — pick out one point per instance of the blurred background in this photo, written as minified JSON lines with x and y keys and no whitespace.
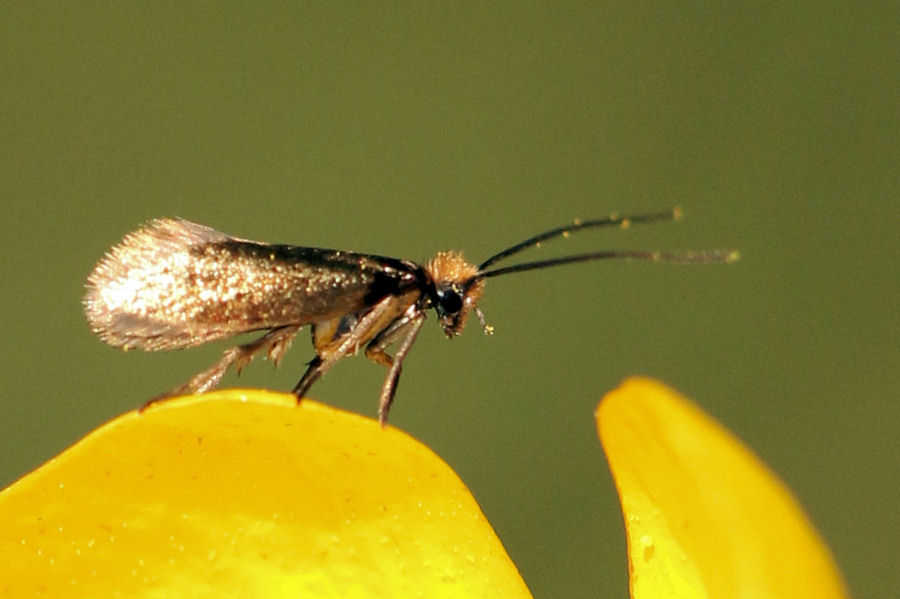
{"x":407,"y":130}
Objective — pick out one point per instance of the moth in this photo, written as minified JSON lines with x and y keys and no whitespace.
{"x":176,"y":284}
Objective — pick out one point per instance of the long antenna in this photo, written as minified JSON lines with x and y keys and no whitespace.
{"x":703,"y":257}
{"x":579,"y":225}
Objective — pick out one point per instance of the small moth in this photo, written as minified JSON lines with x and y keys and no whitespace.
{"x":175,"y":284}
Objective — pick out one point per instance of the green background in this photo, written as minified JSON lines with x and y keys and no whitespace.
{"x":407,"y":129}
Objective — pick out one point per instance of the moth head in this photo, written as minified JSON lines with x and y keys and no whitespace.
{"x":458,"y":286}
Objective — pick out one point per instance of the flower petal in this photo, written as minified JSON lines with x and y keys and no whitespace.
{"x":242,"y":493}
{"x":703,"y":515}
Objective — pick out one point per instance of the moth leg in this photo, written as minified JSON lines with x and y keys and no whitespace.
{"x":407,"y":328}
{"x":275,"y":342}
{"x":313,"y":373}
{"x":368,"y":326}
{"x":375,"y":349}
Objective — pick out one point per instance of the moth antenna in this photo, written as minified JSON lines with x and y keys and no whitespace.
{"x":702,"y":257}
{"x":580,"y":225}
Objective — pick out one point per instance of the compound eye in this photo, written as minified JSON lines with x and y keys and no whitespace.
{"x":450,"y":301}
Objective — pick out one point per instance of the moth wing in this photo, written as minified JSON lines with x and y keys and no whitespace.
{"x":175,"y":284}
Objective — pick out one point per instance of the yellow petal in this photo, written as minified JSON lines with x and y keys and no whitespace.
{"x":241,"y":493}
{"x":703,"y":515}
